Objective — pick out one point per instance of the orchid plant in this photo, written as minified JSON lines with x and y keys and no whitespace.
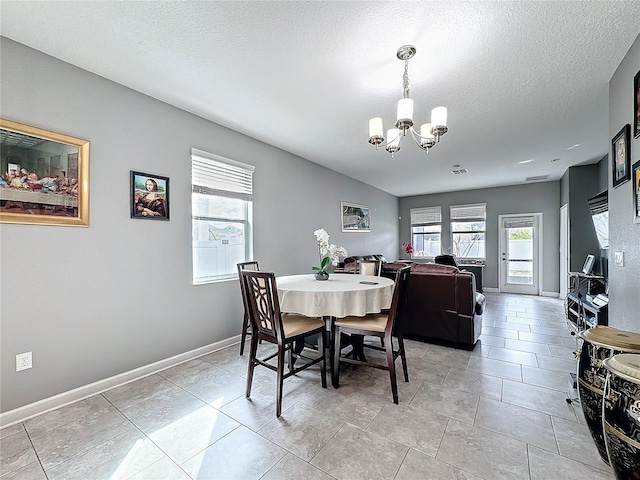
{"x":328,"y":253}
{"x":408,"y":248}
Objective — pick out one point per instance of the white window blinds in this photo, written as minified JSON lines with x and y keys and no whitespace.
{"x":476,"y":212}
{"x":426,"y":216}
{"x":215,"y":175}
{"x":518,"y":222}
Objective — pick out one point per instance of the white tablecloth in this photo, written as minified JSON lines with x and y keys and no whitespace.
{"x":341,"y":296}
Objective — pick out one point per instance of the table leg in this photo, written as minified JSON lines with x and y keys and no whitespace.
{"x":332,"y":349}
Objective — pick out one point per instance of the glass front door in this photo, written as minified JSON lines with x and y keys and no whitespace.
{"x":519,"y":252}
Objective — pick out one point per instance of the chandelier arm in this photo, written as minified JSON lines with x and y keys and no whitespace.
{"x":415,"y":134}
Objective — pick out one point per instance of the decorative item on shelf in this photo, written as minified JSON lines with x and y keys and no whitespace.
{"x":329,"y":254}
{"x":430,"y":133}
{"x":408,"y":248}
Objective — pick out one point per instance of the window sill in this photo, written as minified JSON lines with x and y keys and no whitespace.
{"x":215,"y":280}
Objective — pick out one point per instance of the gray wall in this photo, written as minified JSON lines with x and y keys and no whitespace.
{"x":603,"y":174}
{"x":577,"y":185}
{"x":624,"y":282}
{"x":94,"y":302}
{"x":533,"y":198}
{"x":582,"y":184}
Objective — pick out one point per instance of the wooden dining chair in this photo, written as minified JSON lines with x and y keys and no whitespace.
{"x":373,"y":268}
{"x":246,"y":325}
{"x":270,"y":325}
{"x":377,"y":325}
{"x":369,"y":267}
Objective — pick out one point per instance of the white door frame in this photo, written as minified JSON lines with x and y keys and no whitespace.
{"x":537,"y":242}
{"x":564,"y":251}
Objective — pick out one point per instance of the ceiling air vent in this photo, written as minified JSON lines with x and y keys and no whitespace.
{"x":458,"y":171}
{"x":536,"y":179}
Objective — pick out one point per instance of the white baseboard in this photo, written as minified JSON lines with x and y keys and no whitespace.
{"x":25,"y":412}
{"x":543,"y":294}
{"x":550,"y":294}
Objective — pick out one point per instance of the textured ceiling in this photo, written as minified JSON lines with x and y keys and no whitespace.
{"x":521,"y":80}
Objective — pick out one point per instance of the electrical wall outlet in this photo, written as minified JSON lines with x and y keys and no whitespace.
{"x":619,"y":258}
{"x":23,"y":361}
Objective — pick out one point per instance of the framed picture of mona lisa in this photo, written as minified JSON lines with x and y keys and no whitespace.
{"x":149,"y":196}
{"x":621,"y":155}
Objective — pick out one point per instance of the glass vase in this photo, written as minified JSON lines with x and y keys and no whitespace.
{"x":322,"y":275}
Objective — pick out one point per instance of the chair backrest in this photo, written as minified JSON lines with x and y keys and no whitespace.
{"x":264,"y":306}
{"x":253,"y":266}
{"x":446,"y":259}
{"x":399,"y":299}
{"x":369,"y":267}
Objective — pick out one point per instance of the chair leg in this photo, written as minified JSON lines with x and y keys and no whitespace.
{"x":243,"y":334}
{"x":392,"y":370}
{"x":335,"y":368}
{"x":403,"y":356}
{"x":323,"y":363}
{"x":281,"y":360}
{"x":252,"y":356}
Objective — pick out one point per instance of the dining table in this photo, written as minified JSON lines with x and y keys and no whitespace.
{"x":342,"y":295}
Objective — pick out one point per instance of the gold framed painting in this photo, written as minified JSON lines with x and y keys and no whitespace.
{"x":44,"y":176}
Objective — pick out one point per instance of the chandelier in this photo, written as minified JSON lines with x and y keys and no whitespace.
{"x":430,"y":133}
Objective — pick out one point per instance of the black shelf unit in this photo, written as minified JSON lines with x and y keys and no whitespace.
{"x":582,"y":312}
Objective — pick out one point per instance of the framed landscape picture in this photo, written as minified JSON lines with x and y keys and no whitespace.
{"x":44,"y":176}
{"x":621,"y":155}
{"x":355,"y":217}
{"x":149,"y":196}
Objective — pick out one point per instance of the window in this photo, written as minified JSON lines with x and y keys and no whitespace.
{"x":426,"y":227}
{"x":468,"y":225}
{"x":221,"y":216}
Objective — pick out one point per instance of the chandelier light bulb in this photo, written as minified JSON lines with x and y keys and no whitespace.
{"x":427,"y":139}
{"x":375,"y":127}
{"x":405,"y":111}
{"x":439,"y":117}
{"x":393,"y":138}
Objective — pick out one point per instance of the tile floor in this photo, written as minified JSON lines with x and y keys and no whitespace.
{"x":497,"y":412}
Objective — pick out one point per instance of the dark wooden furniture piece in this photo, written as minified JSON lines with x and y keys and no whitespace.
{"x":246,"y":325}
{"x":270,"y":325}
{"x":377,"y":325}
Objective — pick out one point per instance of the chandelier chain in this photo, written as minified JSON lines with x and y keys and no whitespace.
{"x":405,"y":79}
